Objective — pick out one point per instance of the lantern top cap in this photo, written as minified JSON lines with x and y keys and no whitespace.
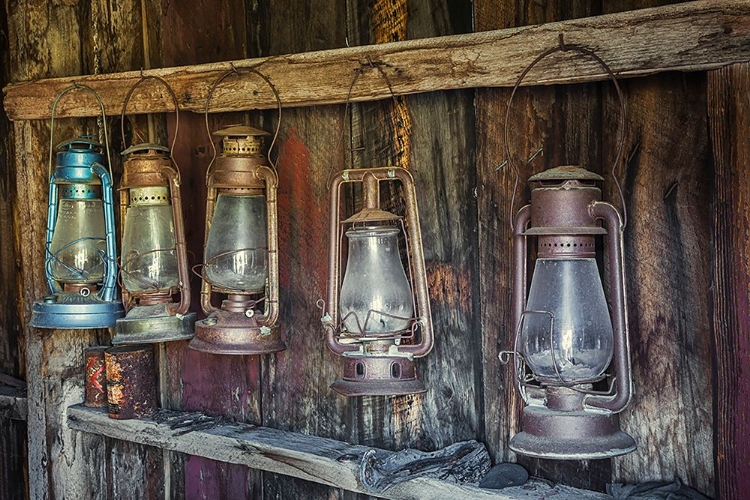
{"x":241,"y":130}
{"x":85,"y":143}
{"x":146,"y":146}
{"x":565,"y":173}
{"x":370,"y":215}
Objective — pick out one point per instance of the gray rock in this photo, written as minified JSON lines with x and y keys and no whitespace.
{"x":504,"y":475}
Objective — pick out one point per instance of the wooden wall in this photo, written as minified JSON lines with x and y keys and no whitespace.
{"x":682,"y":203}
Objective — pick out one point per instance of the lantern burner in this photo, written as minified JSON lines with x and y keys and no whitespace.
{"x":378,"y":376}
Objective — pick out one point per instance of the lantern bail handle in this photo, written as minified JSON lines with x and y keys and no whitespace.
{"x":171,"y":94}
{"x":358,"y":71}
{"x":563,"y":47}
{"x":77,"y":86}
{"x":238,"y":72}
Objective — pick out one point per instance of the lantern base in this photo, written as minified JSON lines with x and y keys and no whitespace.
{"x":226,"y":332}
{"x":378,"y":376}
{"x":151,"y":324}
{"x":75,"y":311}
{"x":570,"y":435}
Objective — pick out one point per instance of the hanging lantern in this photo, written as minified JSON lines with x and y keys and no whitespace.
{"x":154,"y":256}
{"x":241,"y":250}
{"x":378,"y":316}
{"x":81,"y":255}
{"x":154,"y":269}
{"x":80,"y":261}
{"x":567,"y":336}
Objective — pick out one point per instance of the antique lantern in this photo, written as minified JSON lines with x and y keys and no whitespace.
{"x":154,"y":269}
{"x":81,"y":257}
{"x":241,"y":250}
{"x":566,"y":335}
{"x":377,"y":316}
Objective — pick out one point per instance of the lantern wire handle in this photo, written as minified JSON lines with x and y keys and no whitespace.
{"x":77,"y":86}
{"x":238,"y":72}
{"x":357,"y":73}
{"x":174,"y":100}
{"x":562,"y":47}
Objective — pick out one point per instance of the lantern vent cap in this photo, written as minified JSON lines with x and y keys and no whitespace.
{"x":242,"y":131}
{"x":566,"y":173}
{"x":91,"y":146}
{"x":368,"y":215}
{"x":146,"y":146}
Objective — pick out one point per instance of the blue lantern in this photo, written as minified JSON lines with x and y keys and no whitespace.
{"x":80,"y":262}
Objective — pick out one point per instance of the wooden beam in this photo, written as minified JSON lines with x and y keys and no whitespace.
{"x":321,"y":460}
{"x":688,"y":36}
{"x":13,"y":403}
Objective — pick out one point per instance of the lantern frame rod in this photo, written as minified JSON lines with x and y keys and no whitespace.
{"x":621,"y":359}
{"x":371,"y":178}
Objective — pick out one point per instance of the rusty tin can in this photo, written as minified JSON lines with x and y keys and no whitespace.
{"x":95,"y":379}
{"x":131,"y":381}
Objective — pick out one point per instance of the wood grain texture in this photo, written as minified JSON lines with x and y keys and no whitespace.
{"x":13,"y":403}
{"x":554,"y":126}
{"x":220,"y":385}
{"x":431,"y":135}
{"x":50,"y":40}
{"x":666,"y":179}
{"x":691,"y":36}
{"x":729,"y":124}
{"x":296,"y":395}
{"x":13,"y":459}
{"x":14,"y":456}
{"x":311,"y":458}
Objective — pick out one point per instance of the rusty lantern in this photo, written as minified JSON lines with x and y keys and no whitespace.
{"x":566,"y":335}
{"x":154,"y":267}
{"x":377,"y":316}
{"x":241,"y":250}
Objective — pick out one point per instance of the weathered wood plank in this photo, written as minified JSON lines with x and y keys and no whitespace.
{"x":220,"y":385}
{"x":311,"y":458}
{"x":62,"y":462}
{"x":691,"y":36}
{"x":432,"y":136}
{"x":14,"y":481}
{"x":296,"y":396}
{"x":554,"y":126}
{"x":666,"y":177}
{"x":729,"y":124}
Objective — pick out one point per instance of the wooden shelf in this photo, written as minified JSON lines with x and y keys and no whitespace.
{"x":690,"y":36}
{"x":321,"y":460}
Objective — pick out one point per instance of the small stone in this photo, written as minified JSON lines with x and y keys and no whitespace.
{"x":504,"y":475}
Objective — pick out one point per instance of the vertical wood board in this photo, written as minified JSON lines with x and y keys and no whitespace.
{"x":547,"y":127}
{"x":729,"y":124}
{"x":667,"y":177}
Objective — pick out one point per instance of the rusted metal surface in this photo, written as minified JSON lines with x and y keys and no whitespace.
{"x":376,"y":366}
{"x":558,"y":421}
{"x":95,"y":377}
{"x":131,"y":381}
{"x":378,"y":376}
{"x":236,"y":327}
